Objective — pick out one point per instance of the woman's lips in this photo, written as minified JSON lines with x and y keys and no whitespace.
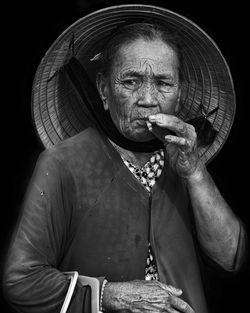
{"x":143,"y":114}
{"x":141,"y":121}
{"x":141,"y":118}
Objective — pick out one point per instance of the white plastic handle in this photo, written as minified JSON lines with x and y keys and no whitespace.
{"x":73,"y":276}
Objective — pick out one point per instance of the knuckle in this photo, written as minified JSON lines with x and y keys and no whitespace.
{"x":170,"y":288}
{"x":192,"y":130}
{"x":161,"y":117}
{"x":167,"y":295}
{"x":181,"y":127}
{"x":185,"y":306}
{"x":158,"y":283}
{"x":195,"y":136}
{"x":191,"y":127}
{"x":177,"y":120}
{"x":184,"y":142}
{"x":189,"y":143}
{"x":167,"y":299}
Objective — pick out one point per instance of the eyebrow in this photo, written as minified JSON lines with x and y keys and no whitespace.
{"x":139,"y":74}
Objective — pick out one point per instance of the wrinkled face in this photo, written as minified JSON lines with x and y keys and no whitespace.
{"x":144,"y":80}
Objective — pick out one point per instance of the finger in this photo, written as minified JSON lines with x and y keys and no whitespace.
{"x":183,"y":143}
{"x":181,"y":305}
{"x":174,"y":291}
{"x":171,"y":122}
{"x":180,"y":141}
{"x":174,"y":124}
{"x":171,"y":310}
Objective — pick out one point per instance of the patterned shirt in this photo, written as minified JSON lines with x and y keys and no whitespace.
{"x":147,"y":175}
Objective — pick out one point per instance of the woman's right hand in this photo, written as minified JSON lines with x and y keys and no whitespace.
{"x":147,"y":296}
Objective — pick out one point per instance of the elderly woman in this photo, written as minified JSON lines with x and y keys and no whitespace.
{"x":129,"y":210}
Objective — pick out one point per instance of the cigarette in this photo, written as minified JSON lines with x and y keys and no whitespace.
{"x":149,"y":125}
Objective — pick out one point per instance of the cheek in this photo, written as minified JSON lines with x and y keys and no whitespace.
{"x":168,"y":102}
{"x":122,"y":103}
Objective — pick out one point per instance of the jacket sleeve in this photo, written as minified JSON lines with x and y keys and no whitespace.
{"x":32,"y":281}
{"x":241,"y":256}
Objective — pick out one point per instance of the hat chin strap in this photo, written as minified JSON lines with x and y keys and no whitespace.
{"x":93,"y":109}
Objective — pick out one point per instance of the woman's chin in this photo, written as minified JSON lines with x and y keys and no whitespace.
{"x":140,"y":135}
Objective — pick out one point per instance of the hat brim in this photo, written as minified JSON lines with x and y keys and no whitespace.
{"x":208,"y":84}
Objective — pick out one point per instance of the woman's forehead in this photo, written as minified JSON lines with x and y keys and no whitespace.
{"x":149,"y":57}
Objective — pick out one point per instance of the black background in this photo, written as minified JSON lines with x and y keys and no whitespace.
{"x":28,"y":31}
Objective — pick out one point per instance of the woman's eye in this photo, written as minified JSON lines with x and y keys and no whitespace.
{"x":163,"y":83}
{"x":131,"y":82}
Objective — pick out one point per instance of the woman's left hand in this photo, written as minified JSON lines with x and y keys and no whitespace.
{"x":181,"y":144}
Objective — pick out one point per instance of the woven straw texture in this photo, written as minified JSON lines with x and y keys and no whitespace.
{"x":58,"y":112}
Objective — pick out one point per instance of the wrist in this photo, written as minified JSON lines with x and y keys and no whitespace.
{"x":109,"y":297}
{"x":197,"y":176}
{"x":114,"y":298}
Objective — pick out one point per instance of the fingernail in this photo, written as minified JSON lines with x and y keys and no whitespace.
{"x":169,"y":138}
{"x":179,"y":291}
{"x":152,"y":117}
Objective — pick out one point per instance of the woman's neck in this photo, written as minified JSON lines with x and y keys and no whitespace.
{"x":136,"y":158}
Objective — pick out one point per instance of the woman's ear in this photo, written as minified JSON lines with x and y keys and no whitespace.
{"x":102,"y":86}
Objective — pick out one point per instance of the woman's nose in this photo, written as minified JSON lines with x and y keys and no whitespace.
{"x":148,"y":96}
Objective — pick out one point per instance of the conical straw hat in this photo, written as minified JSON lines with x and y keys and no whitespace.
{"x":209,"y":92}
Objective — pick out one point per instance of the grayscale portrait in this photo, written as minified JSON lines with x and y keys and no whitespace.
{"x":131,"y":103}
